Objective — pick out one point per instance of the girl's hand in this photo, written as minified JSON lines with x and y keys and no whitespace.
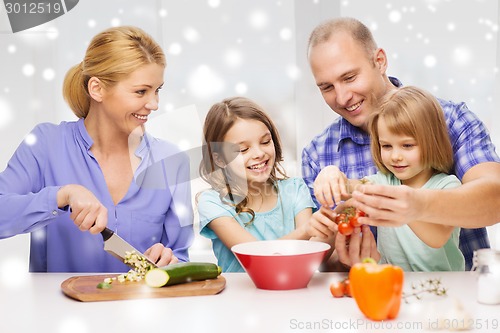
{"x":322,"y":224}
{"x":330,"y":186}
{"x":87,"y":212}
{"x":161,"y":255}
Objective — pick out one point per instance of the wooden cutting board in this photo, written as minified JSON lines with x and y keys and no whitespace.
{"x":84,"y":288}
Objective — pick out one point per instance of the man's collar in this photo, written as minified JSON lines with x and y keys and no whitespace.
{"x":395,"y":81}
{"x":356,"y":134}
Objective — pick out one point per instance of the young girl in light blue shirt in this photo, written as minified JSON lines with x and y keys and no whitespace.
{"x":251,"y":197}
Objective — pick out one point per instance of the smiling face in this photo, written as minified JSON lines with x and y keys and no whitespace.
{"x":350,"y":79}
{"x":128,"y":104}
{"x":251,"y":140}
{"x":401,"y":155}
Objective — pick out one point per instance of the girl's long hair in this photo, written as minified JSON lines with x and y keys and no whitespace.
{"x":219,"y":120}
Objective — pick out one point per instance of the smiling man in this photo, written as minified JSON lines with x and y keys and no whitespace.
{"x":350,"y":71}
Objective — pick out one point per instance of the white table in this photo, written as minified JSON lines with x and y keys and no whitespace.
{"x":36,"y":304}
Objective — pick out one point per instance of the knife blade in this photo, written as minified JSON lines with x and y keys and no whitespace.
{"x":118,"y":247}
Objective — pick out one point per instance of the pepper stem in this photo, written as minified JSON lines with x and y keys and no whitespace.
{"x":368,"y":261}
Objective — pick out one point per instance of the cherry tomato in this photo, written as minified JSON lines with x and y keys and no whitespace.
{"x":340,"y":218}
{"x":347,"y":288}
{"x":337,"y":289}
{"x":345,"y":228}
{"x":353,"y":221}
{"x":340,"y":289}
{"x":360,"y":213}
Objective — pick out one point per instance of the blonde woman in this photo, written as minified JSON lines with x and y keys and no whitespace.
{"x":94,"y":172}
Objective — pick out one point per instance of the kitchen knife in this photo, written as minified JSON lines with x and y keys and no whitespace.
{"x":118,"y":247}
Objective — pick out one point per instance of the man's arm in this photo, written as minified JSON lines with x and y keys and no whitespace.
{"x":310,"y":171}
{"x":475,"y":204}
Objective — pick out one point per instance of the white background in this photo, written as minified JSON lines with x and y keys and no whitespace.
{"x":221,"y":48}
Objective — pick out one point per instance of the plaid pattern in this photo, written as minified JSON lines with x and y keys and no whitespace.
{"x":348,"y":147}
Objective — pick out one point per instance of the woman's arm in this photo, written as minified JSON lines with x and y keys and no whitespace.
{"x":26,"y":203}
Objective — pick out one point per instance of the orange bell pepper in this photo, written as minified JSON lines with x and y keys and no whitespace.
{"x":377,"y":289}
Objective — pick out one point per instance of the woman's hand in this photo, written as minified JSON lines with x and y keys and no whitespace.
{"x":87,"y":212}
{"x":161,"y":255}
{"x":330,"y":186}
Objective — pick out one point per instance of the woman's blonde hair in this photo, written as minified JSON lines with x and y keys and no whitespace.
{"x":219,"y":120}
{"x":414,"y":112}
{"x":111,"y":56}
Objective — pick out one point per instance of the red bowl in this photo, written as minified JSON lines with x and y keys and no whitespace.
{"x":281,"y":264}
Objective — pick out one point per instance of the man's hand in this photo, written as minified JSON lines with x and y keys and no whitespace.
{"x":359,"y":245}
{"x":390,"y":206}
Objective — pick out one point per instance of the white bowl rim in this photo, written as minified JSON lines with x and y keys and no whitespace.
{"x":287,"y":247}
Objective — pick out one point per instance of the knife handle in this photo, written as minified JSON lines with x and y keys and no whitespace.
{"x":106,"y":234}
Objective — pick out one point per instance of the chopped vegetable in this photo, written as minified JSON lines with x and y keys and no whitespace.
{"x":141,"y":267}
{"x":104,"y":285}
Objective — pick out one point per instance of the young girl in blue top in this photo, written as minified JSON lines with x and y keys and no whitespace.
{"x":410,"y":146}
{"x":251,"y":197}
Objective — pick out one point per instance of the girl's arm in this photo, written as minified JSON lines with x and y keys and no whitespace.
{"x":306,"y":223}
{"x":230,"y":232}
{"x":322,"y":228}
{"x":301,"y":225}
{"x":434,"y":235}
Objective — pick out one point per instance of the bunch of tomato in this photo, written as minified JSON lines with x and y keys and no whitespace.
{"x":347,"y":220}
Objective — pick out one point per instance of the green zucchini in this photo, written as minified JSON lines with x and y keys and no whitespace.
{"x":182,"y":272}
